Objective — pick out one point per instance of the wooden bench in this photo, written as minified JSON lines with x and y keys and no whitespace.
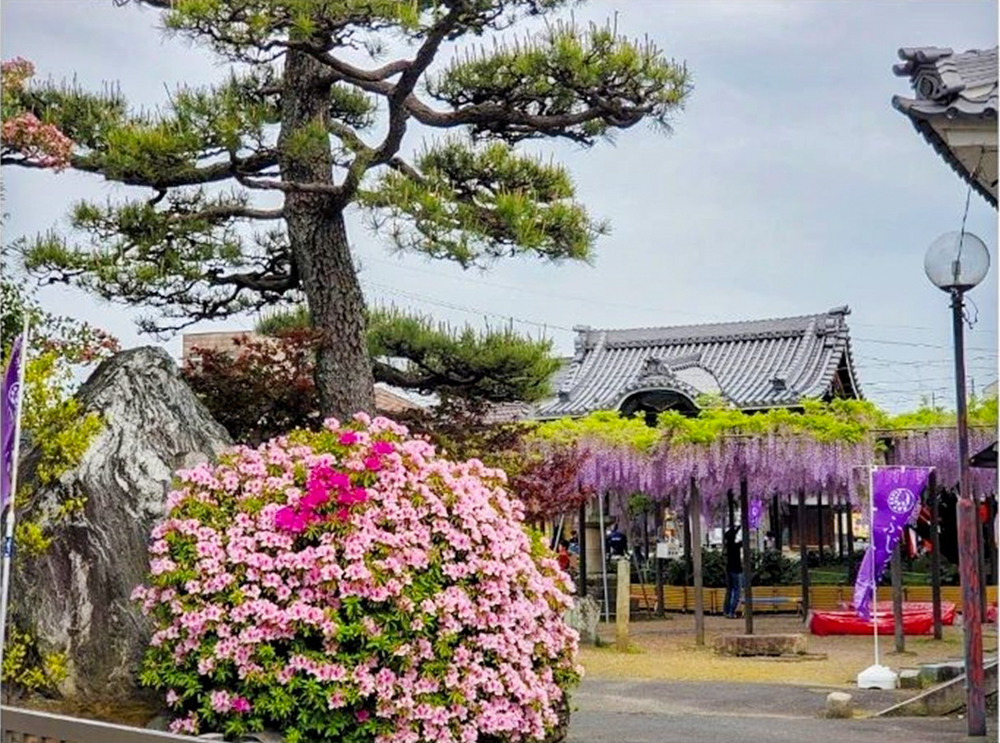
{"x":775,"y":601}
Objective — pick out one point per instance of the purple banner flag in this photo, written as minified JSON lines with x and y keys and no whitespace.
{"x":756,"y":513}
{"x":895,"y":501}
{"x":8,"y":419}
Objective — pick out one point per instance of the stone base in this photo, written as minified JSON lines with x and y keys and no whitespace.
{"x":748,"y":645}
{"x":583,"y":616}
{"x":839,"y":705}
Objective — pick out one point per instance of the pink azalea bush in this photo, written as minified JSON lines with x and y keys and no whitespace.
{"x":350,"y":585}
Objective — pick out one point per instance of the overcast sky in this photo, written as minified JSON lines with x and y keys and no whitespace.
{"x":789,"y":186}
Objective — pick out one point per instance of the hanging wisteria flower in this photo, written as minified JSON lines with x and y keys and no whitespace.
{"x":350,"y":585}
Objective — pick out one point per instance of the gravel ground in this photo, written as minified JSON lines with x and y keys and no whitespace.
{"x":665,"y":650}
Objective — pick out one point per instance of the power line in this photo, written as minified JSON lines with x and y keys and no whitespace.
{"x":590,"y":300}
{"x":917,"y":345}
{"x":462,"y":308}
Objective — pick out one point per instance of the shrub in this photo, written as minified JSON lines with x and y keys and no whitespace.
{"x":713,"y":570}
{"x":350,"y":585}
{"x":772,"y":568}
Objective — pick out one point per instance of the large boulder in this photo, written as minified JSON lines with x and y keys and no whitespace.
{"x":75,"y":597}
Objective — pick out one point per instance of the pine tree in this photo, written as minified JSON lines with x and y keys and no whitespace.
{"x":303,"y":122}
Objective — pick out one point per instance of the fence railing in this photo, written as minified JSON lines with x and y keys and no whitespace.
{"x":29,"y":726}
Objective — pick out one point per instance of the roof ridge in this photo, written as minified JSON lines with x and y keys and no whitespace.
{"x":805,"y":317}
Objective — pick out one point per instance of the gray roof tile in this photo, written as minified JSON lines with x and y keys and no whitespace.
{"x":949,"y":86}
{"x":740,"y":359}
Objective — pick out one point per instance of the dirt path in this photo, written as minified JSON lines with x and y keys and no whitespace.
{"x":665,"y":650}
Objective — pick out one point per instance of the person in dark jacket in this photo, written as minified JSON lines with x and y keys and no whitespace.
{"x":617,"y":542}
{"x":734,"y":571}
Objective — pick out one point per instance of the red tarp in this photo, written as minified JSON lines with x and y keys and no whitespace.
{"x":947,"y":609}
{"x":849,"y":623}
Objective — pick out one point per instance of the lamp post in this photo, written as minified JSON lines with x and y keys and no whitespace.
{"x":955,"y":263}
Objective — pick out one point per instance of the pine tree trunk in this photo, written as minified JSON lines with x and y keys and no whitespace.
{"x":318,"y":241}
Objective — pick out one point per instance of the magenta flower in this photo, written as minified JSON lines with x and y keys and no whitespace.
{"x":382,"y":447}
{"x":373,"y":463}
{"x":289,"y":519}
{"x":241,"y":705}
{"x":315,"y":498}
{"x":348,"y":437}
{"x":362,"y":715}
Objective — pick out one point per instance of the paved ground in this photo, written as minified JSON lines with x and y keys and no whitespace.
{"x":696,"y":712}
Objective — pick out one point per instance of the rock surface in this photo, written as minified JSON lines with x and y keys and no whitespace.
{"x":75,"y":596}
{"x":744,"y":645}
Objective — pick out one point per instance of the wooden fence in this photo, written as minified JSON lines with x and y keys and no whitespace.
{"x":30,"y":726}
{"x":824,"y":598}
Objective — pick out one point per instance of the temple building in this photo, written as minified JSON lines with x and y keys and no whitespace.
{"x":955,"y":109}
{"x":753,"y":365}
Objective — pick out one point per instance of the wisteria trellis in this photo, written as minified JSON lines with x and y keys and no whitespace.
{"x":773,"y":463}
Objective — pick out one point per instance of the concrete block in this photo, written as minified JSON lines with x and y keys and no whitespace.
{"x":935,"y":673}
{"x":746,"y":645}
{"x":839,"y":704}
{"x":909,"y":678}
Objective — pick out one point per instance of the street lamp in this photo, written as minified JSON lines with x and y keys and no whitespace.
{"x":955,"y":263}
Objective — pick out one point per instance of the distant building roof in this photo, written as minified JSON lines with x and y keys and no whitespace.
{"x":387,"y":400}
{"x":955,"y":109}
{"x":755,"y":364}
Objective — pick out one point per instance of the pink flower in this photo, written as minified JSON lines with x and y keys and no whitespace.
{"x":382,"y":447}
{"x":315,"y":498}
{"x":362,"y":715}
{"x":241,"y":705}
{"x":373,"y":463}
{"x":288,"y":519}
{"x":221,"y":701}
{"x":348,"y":437}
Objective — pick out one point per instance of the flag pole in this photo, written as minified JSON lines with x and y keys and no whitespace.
{"x":871,"y":542}
{"x":7,"y":553}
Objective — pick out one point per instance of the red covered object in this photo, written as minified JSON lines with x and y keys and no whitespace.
{"x":991,"y":613}
{"x":849,"y":623}
{"x":919,"y":607}
{"x":909,"y":607}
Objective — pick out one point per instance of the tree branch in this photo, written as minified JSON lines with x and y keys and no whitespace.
{"x":398,"y":113}
{"x":495,"y":117}
{"x":192,"y":177}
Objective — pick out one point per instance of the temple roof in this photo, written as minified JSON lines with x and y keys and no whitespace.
{"x":755,"y":364}
{"x":955,"y":109}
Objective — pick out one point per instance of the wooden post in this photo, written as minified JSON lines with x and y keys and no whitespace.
{"x":897,"y":598}
{"x":776,"y":524}
{"x":645,"y":539}
{"x":747,"y":557}
{"x":803,"y":553}
{"x":935,"y":553}
{"x":838,"y":527}
{"x":581,"y":541}
{"x":622,"y":603}
{"x":699,"y":605}
{"x":819,"y":524}
{"x":658,"y":522}
{"x":981,"y":549}
{"x":849,"y":515}
{"x":687,"y":547}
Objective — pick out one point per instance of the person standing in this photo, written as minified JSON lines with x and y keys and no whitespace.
{"x":734,"y":570}
{"x":617,"y":542}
